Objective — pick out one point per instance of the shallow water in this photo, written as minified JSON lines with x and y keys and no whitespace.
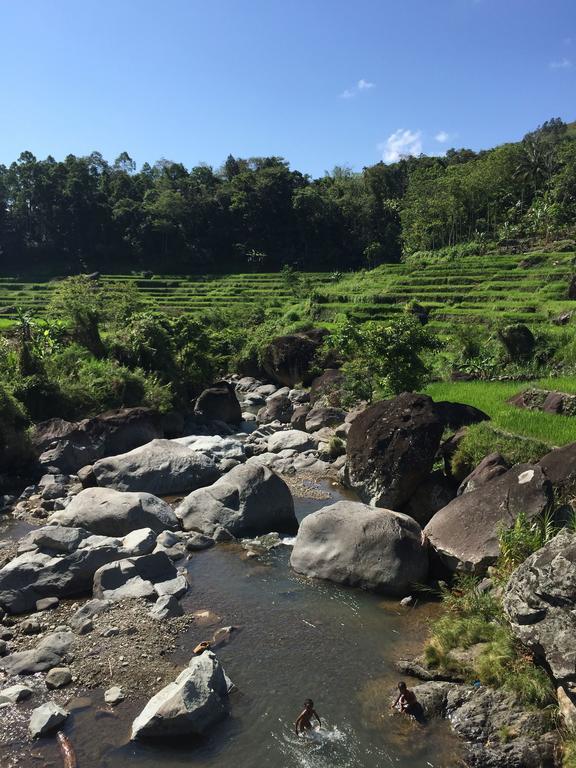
{"x":296,"y":639}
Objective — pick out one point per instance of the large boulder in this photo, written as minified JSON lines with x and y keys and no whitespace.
{"x":187,"y":707}
{"x":112,"y":513}
{"x":498,"y":729}
{"x":288,"y":360}
{"x":161,"y":467}
{"x":518,"y":340}
{"x":68,"y":446}
{"x":559,"y":466}
{"x":391,"y":448}
{"x":540,"y":601}
{"x":465,"y":532}
{"x":49,"y":573}
{"x":432,"y":495}
{"x":248,"y":501}
{"x":150,"y":577}
{"x":219,"y":403}
{"x":354,"y":544}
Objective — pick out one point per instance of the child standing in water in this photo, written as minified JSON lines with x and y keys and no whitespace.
{"x":407,"y":703}
{"x":304,"y":721}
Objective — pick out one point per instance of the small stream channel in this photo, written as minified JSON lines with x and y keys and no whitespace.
{"x":297,"y":639}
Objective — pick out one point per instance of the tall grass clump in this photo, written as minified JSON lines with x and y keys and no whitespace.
{"x":474,"y":616}
{"x":482,"y":439}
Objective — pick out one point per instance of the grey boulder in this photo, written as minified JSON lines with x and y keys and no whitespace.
{"x":540,"y":601}
{"x":149,"y":576}
{"x":290,"y":439}
{"x":465,"y":532}
{"x":49,"y":653}
{"x":195,"y":701}
{"x":46,"y":719}
{"x":354,"y":544}
{"x":161,"y":467}
{"x":250,"y":500}
{"x":111,"y":513}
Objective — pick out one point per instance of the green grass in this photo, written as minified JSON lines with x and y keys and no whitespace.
{"x":491,"y":397}
{"x":486,"y":288}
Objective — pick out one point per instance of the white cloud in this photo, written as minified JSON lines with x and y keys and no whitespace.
{"x":401,"y":143}
{"x":442,"y":137}
{"x":561,"y":64}
{"x":361,"y":85}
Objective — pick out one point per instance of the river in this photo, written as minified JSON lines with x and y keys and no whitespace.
{"x":296,"y":639}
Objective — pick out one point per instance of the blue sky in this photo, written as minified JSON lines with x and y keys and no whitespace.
{"x":319,"y":82}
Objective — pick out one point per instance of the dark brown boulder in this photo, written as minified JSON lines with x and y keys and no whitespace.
{"x":559,"y":466}
{"x":67,"y":446}
{"x":327,"y":388}
{"x":491,"y":467}
{"x":298,"y":419}
{"x":518,"y":340}
{"x":319,"y":417}
{"x":458,"y":415}
{"x":391,"y":449}
{"x":278,"y":408}
{"x":465,"y":534}
{"x":288,"y":360}
{"x":430,"y":496}
{"x":219,"y":403}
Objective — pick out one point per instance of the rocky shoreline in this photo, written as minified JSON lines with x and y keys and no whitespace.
{"x":91,"y":596}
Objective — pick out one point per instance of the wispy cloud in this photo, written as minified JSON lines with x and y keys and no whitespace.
{"x":561,"y":64}
{"x":361,"y":85}
{"x":401,"y":143}
{"x":442,"y":137}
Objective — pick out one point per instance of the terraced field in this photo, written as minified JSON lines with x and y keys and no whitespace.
{"x":516,"y":288}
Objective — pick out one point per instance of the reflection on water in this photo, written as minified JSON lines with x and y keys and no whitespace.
{"x":296,"y":640}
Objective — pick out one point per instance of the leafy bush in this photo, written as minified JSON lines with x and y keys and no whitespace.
{"x":482,"y":439}
{"x":15,"y":448}
{"x":383,"y":356}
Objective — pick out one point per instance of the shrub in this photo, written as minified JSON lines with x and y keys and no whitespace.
{"x":482,"y":439}
{"x":523,"y":539}
{"x":15,"y":448}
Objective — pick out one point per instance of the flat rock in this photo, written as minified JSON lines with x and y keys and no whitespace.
{"x":49,"y":653}
{"x":292,"y":439}
{"x":465,"y":532}
{"x":15,"y":694}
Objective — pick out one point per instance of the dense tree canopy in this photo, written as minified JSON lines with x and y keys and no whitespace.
{"x":85,"y":213}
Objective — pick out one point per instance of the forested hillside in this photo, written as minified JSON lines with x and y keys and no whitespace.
{"x":85,"y":213}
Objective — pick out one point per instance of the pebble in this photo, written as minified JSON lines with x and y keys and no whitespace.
{"x":58,"y":677}
{"x":114,"y":695}
{"x":47,"y":603}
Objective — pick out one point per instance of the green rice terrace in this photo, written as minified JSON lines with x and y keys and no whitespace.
{"x":511,"y":288}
